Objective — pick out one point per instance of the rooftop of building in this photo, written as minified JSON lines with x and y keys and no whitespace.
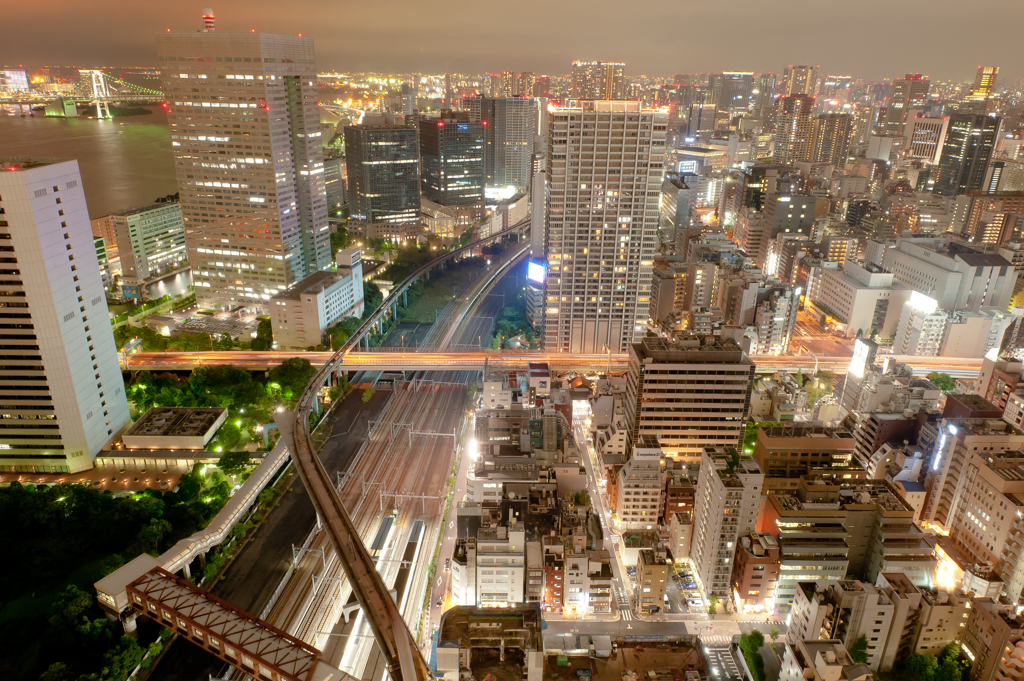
{"x":653,"y":556}
{"x":538,"y":369}
{"x":833,"y":652}
{"x":314,"y":283}
{"x":17,"y":164}
{"x":517,"y":626}
{"x":145,"y":209}
{"x":690,"y":349}
{"x":820,"y":493}
{"x":807,"y":429}
{"x":178,"y":421}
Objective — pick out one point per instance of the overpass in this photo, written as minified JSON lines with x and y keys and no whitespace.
{"x":405,"y":359}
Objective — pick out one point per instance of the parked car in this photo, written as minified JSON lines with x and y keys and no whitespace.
{"x":490,"y":677}
{"x":447,"y":563}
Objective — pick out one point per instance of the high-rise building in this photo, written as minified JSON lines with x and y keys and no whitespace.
{"x":800,"y":80}
{"x":966,"y":151}
{"x":150,"y":240}
{"x":793,"y":128}
{"x":598,"y":80}
{"x":507,"y":84}
{"x":61,"y":388}
{"x":452,"y":163}
{"x":983,"y":89}
{"x":724,"y":509}
{"x":907,"y":92}
{"x":525,"y":83}
{"x":733,"y":91}
{"x":510,"y":125}
{"x":602,"y":224}
{"x":668,"y":387}
{"x":831,"y":138}
{"x":926,"y":137}
{"x":382,"y":156}
{"x":764,"y":95}
{"x":245,"y":132}
{"x":700,"y":122}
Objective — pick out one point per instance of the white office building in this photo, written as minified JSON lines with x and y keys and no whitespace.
{"x":301,"y":314}
{"x":861,"y":298}
{"x":245,"y":133}
{"x":640,"y":492}
{"x":604,"y":167}
{"x":921,"y":327}
{"x":150,"y":240}
{"x":61,"y":387}
{"x":724,"y":509}
{"x":956,"y":280}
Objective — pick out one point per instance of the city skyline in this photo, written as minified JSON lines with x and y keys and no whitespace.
{"x":352,"y":42}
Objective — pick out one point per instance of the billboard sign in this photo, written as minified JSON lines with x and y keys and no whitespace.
{"x":536,"y":272}
{"x":860,"y":358}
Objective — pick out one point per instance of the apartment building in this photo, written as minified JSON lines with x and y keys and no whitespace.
{"x":640,"y":491}
{"x":756,"y":572}
{"x":690,"y":393}
{"x":602,"y":218}
{"x":994,"y":639}
{"x":725,"y":508}
{"x":895,"y":616}
{"x":652,"y":571}
{"x":953,"y":445}
{"x":825,"y":660}
{"x":489,"y":566}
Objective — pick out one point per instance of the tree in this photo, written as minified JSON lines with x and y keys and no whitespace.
{"x":859,"y":650}
{"x":774,"y":634}
{"x":943,"y":382}
{"x":233,"y":463}
{"x":292,"y":375}
{"x":713,"y":601}
{"x":368,"y":395}
{"x":264,"y":336}
{"x":920,"y":667}
{"x":860,"y":333}
{"x":752,"y":642}
{"x":151,"y":535}
{"x":582,"y":498}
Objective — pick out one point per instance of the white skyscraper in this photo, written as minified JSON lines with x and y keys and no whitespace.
{"x":245,"y":131}
{"x":61,"y":391}
{"x":604,"y":167}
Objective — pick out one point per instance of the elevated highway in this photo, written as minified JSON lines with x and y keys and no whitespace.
{"x":404,"y":359}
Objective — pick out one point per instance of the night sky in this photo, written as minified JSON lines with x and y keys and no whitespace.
{"x":870,"y":39}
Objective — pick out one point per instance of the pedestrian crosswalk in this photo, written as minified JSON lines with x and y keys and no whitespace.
{"x":711,"y":640}
{"x":626,"y":614}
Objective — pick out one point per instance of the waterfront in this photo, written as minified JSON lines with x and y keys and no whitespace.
{"x":125,"y":162}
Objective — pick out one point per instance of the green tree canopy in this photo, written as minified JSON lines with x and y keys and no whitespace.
{"x":859,"y":650}
{"x":292,"y":375}
{"x":943,"y":382}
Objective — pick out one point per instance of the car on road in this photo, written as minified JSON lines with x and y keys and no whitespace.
{"x":447,"y":563}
